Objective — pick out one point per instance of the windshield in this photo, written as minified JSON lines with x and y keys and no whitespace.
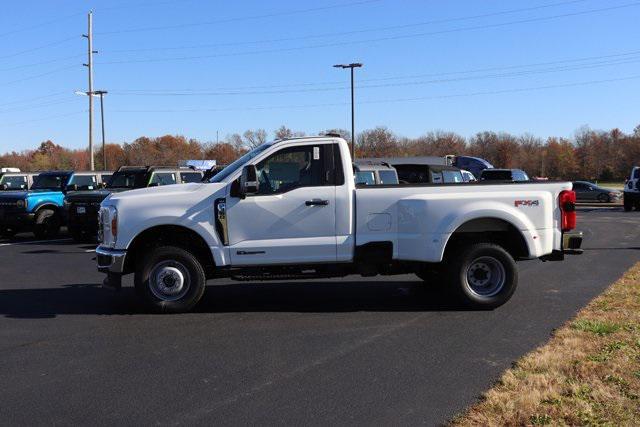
{"x":128,"y":179}
{"x":224,"y":173}
{"x":50,"y":182}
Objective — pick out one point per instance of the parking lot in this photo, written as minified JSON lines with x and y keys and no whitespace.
{"x":354,"y":351}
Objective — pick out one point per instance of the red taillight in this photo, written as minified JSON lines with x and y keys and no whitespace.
{"x":567,"y":203}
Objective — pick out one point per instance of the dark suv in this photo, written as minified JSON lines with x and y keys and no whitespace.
{"x":516,"y":175}
{"x":82,"y":206}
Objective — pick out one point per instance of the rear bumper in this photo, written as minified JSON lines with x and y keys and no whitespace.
{"x":571,"y":245}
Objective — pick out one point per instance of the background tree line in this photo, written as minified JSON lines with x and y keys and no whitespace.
{"x":601,"y":155}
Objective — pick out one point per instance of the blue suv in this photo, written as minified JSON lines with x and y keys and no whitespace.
{"x":40,"y":209}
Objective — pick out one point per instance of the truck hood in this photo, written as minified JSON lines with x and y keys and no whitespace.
{"x":87,"y":196}
{"x":164,"y":192}
{"x":16,"y":195}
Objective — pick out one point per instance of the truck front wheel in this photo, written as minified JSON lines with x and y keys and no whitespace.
{"x":483,"y":275}
{"x":170,"y":280}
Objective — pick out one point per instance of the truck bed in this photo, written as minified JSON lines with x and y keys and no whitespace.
{"x":420,"y":218}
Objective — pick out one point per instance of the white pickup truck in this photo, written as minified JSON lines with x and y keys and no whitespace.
{"x":290,"y":209}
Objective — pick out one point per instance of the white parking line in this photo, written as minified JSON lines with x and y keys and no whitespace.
{"x":34,"y":242}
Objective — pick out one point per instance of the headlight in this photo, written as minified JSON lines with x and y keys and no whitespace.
{"x":108,"y":227}
{"x":21,"y":203}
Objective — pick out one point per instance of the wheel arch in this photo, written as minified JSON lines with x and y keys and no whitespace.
{"x":48,"y":205}
{"x":170,"y":235}
{"x":490,"y":230}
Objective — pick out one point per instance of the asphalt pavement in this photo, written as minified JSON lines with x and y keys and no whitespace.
{"x":351,"y":351}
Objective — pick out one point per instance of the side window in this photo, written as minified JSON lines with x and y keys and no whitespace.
{"x":636,"y":174}
{"x":388,"y":177}
{"x":436,"y":176}
{"x":105,"y":178}
{"x":187,"y":177}
{"x":578,"y":187}
{"x":85,"y":182}
{"x":292,"y":168}
{"x":163,"y":178}
{"x":365,"y":178}
{"x":16,"y":182}
{"x":452,"y":176}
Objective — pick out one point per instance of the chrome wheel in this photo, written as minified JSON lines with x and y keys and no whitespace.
{"x":169,"y":281}
{"x":485,"y":276}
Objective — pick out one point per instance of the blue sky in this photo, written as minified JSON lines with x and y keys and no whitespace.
{"x":545,"y":67}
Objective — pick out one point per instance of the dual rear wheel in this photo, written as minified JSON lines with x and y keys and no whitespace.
{"x":481,"y":275}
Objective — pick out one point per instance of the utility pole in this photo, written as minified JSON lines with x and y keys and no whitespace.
{"x":353,"y":126}
{"x":89,"y":65}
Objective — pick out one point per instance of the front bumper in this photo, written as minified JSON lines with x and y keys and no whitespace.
{"x":111,"y":261}
{"x":571,"y":245}
{"x":17,"y":220}
{"x":83,"y":217}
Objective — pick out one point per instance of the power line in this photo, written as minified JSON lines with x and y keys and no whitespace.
{"x":378,"y":39}
{"x":38,"y":75}
{"x":240,"y":18}
{"x":42,"y":105}
{"x":34,"y":64}
{"x":343,"y":33}
{"x":392,"y":100}
{"x":26,"y":100}
{"x":57,"y":116}
{"x":44,"y":46}
{"x":42,"y":24}
{"x":247,"y":90}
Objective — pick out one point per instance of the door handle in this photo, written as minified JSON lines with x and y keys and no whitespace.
{"x":316,"y":202}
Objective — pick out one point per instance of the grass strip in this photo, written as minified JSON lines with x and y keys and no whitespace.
{"x":587,"y":374}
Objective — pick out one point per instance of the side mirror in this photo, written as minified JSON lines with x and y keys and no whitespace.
{"x":4,"y":187}
{"x":248,"y":181}
{"x":72,"y":187}
{"x":155,"y":184}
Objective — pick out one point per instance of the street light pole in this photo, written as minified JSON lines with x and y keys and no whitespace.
{"x":353,"y":125}
{"x":101,"y":94}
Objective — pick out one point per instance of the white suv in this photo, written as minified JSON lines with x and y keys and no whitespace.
{"x":632,"y":190}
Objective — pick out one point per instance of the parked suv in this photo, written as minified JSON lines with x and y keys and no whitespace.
{"x":82,"y":207}
{"x":632,"y":190}
{"x":16,"y":181}
{"x":374,"y":173}
{"x":515,"y":175}
{"x":410,"y":172}
{"x":40,"y":209}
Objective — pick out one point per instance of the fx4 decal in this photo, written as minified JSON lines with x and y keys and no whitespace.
{"x":519,"y":203}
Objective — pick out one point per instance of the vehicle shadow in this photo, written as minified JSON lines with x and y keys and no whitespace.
{"x":316,"y":297}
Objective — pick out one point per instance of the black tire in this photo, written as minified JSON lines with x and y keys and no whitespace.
{"x":484,"y":264}
{"x":627,"y":205}
{"x":604,"y":198}
{"x":78,"y":236}
{"x":47,"y":224}
{"x":164,"y":296}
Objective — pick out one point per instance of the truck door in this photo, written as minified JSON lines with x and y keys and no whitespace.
{"x":292,"y":218}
